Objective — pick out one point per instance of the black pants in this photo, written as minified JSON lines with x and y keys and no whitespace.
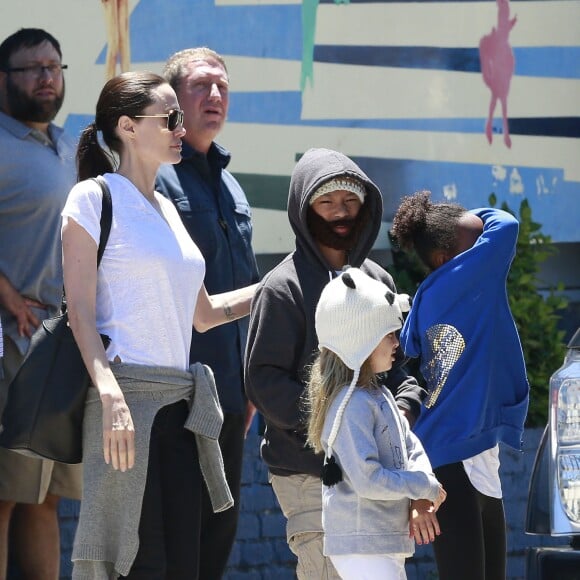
{"x":472,"y":544}
{"x":218,"y":531}
{"x":169,"y":528}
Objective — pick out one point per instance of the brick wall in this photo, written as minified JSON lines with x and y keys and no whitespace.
{"x":261,"y":553}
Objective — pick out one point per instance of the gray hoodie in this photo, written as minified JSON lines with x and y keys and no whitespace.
{"x":282,"y":340}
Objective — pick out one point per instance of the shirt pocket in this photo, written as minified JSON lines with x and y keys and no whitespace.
{"x":243,"y":217}
{"x":202,"y":223}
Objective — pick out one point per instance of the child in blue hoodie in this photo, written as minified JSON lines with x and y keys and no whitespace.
{"x":461,"y":328}
{"x":374,"y":464}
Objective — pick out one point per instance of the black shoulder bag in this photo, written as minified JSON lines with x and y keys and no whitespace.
{"x":44,"y":411}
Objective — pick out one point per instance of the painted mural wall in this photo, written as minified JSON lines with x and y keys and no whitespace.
{"x":460,"y":97}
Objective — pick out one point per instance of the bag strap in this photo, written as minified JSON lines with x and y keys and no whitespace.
{"x":106,"y":216}
{"x":106,"y":220}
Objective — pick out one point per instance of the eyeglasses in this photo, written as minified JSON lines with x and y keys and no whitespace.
{"x":37,"y":70}
{"x":174,"y":118}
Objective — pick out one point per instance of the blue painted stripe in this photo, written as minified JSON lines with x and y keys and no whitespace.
{"x":415,"y":1}
{"x":555,"y":202}
{"x":75,"y":124}
{"x":284,"y":108}
{"x":256,"y":31}
{"x":423,"y":57}
{"x":551,"y":61}
{"x":548,"y":61}
{"x":548,"y":126}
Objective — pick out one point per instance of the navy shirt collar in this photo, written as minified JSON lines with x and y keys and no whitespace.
{"x":217,"y":156}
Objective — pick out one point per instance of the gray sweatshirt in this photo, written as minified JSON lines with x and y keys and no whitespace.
{"x":107,"y":537}
{"x":384,"y":466}
{"x":282,"y":341}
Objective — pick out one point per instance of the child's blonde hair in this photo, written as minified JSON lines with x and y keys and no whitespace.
{"x":328,"y":375}
{"x":354,"y":313}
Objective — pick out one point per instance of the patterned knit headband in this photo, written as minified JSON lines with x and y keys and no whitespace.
{"x":340,"y":183}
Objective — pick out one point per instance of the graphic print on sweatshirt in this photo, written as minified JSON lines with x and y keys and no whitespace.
{"x":446,"y":345}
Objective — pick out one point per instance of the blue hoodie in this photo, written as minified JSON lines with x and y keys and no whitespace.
{"x":462,"y":329}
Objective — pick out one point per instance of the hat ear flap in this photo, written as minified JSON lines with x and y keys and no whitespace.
{"x":348,"y":281}
{"x":405,"y":302}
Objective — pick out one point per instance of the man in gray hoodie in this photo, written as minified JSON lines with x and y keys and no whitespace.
{"x":335,"y":211}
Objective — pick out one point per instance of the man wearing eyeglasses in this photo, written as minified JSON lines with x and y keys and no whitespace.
{"x":37,"y":170}
{"x":217,"y":215}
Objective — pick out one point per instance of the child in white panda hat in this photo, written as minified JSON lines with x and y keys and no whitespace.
{"x":374,"y":464}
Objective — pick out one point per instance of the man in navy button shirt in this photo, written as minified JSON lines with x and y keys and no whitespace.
{"x":217,"y":215}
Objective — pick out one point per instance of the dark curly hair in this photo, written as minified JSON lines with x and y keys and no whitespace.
{"x":424,"y":226}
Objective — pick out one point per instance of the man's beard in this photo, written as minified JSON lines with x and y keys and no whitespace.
{"x":30,"y":109}
{"x":322,"y":231}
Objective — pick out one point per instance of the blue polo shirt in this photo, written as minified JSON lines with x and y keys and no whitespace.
{"x":36,"y":175}
{"x":217,"y":216}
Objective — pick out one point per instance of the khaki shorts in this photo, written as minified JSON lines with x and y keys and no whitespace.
{"x":300,"y":498}
{"x":24,"y":479}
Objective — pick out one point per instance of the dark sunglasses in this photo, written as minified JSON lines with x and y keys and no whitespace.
{"x":174,"y":118}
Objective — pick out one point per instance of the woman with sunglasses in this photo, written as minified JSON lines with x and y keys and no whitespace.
{"x":142,"y":485}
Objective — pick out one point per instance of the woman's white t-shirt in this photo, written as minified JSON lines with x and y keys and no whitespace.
{"x":149,"y":277}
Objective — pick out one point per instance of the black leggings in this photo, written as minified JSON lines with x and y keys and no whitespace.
{"x":472,"y":543}
{"x":169,"y":528}
{"x":218,"y":531}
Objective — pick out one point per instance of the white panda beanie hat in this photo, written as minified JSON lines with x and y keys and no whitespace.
{"x":354,"y":313}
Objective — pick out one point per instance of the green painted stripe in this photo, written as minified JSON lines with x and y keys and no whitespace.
{"x":265,"y":191}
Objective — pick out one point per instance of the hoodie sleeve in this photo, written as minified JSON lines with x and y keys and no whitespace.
{"x":498,"y":239}
{"x":275,"y":337}
{"x":404,"y":387}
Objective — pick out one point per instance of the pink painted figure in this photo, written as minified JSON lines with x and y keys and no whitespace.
{"x":497,"y":66}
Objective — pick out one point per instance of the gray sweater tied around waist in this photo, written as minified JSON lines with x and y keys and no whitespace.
{"x":107,"y":538}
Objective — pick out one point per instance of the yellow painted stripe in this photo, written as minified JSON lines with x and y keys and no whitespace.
{"x":263,"y":74}
{"x":272,"y":149}
{"x":249,"y":74}
{"x":85,"y":81}
{"x":445,"y":24}
{"x":366,"y":92}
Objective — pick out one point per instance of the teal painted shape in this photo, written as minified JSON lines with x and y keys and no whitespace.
{"x":309,"y":12}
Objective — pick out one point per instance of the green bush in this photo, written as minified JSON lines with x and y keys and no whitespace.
{"x":536,"y":315}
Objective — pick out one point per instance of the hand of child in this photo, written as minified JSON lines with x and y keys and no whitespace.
{"x":423,"y":524}
{"x":440,"y":498}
